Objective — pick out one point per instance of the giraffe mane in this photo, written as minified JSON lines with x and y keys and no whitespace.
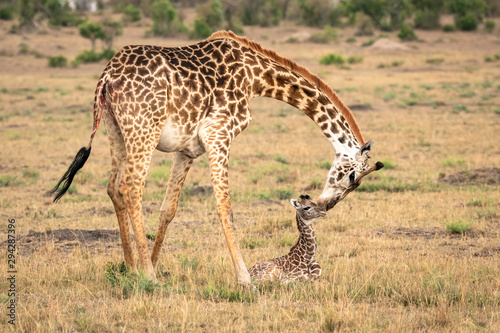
{"x":313,"y":78}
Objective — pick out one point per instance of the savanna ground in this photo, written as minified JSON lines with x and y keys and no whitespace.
{"x":389,"y":261}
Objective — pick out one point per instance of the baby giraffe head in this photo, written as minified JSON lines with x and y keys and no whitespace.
{"x":307,"y":209}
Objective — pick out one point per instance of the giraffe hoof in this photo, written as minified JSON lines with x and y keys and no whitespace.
{"x":251,"y":287}
{"x":254,"y":289}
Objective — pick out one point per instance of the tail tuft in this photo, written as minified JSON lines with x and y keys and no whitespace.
{"x":66,"y":180}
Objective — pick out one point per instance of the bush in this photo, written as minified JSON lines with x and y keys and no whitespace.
{"x":386,"y":15}
{"x":261,"y":12}
{"x":318,"y":13}
{"x":407,"y":33}
{"x":427,"y":19}
{"x":132,"y":13}
{"x":332,"y":58}
{"x":165,"y":19}
{"x":468,"y":13}
{"x":326,"y":36}
{"x":107,"y":54}
{"x":7,"y":11}
{"x":463,"y":7}
{"x":88,"y":56}
{"x":355,"y":59}
{"x":60,"y":14}
{"x":201,"y":29}
{"x":92,"y":31}
{"x":58,"y":61}
{"x":448,"y":28}
{"x":489,"y":25}
{"x":213,"y":14}
{"x":111,"y":30}
{"x":467,"y":22}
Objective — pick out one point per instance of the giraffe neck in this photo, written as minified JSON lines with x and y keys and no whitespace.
{"x":278,"y":82}
{"x":306,"y":246}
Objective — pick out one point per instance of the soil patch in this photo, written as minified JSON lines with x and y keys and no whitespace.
{"x":487,"y":252}
{"x":66,"y":240}
{"x":413,"y":233}
{"x":202,"y":191}
{"x":360,"y":107}
{"x":483,"y":176}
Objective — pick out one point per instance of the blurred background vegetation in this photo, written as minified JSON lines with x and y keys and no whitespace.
{"x":166,"y":17}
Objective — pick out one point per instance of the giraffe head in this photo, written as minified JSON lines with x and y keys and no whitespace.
{"x":307,"y":209}
{"x":345,"y":175}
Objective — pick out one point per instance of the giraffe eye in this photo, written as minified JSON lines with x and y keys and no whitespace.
{"x":352,"y":176}
{"x":307,"y":208}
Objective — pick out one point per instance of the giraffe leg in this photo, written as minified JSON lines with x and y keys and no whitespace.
{"x":118,"y":155}
{"x":218,"y":156}
{"x":314,"y":271}
{"x":132,"y":188}
{"x":180,"y":167}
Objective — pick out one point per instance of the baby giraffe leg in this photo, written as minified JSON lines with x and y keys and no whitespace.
{"x":314,"y":271}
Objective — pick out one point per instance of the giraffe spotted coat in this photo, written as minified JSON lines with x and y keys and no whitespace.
{"x":299,"y":263}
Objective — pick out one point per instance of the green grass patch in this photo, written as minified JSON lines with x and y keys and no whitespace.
{"x":279,"y":128}
{"x":250,"y":243}
{"x":476,"y":203}
{"x":467,"y":94}
{"x":332,"y":59}
{"x":387,"y":184}
{"x":326,"y":164}
{"x":316,"y":184}
{"x":129,"y":283}
{"x":434,"y":61}
{"x":388,"y":164}
{"x":218,"y":292}
{"x":281,"y":159}
{"x":459,"y":226}
{"x":31,"y":175}
{"x":160,"y":174}
{"x":453,"y":162}
{"x":288,"y":241}
{"x":58,"y":61}
{"x":460,"y":108}
{"x":426,"y":87}
{"x":326,"y":36}
{"x":355,"y":59}
{"x":389,"y":96}
{"x":9,"y":180}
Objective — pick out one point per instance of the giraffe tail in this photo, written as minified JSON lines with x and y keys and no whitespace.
{"x":83,"y":154}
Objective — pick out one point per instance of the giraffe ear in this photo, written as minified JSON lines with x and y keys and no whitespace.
{"x":295,"y":203}
{"x":365,"y":149}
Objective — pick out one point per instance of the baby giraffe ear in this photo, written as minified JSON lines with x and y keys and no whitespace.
{"x":365,"y":149}
{"x":295,"y":203}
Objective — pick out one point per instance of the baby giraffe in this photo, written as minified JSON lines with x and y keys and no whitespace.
{"x":299,"y":263}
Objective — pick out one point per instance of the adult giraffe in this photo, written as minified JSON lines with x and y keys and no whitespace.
{"x":193,"y":100}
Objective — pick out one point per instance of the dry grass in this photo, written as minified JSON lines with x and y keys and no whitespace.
{"x":389,"y":263}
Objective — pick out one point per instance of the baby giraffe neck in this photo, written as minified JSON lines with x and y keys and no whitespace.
{"x":306,"y":245}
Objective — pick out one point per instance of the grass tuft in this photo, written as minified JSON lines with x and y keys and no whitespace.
{"x":332,"y":59}
{"x":127,"y":282}
{"x":9,"y":180}
{"x":459,"y":226}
